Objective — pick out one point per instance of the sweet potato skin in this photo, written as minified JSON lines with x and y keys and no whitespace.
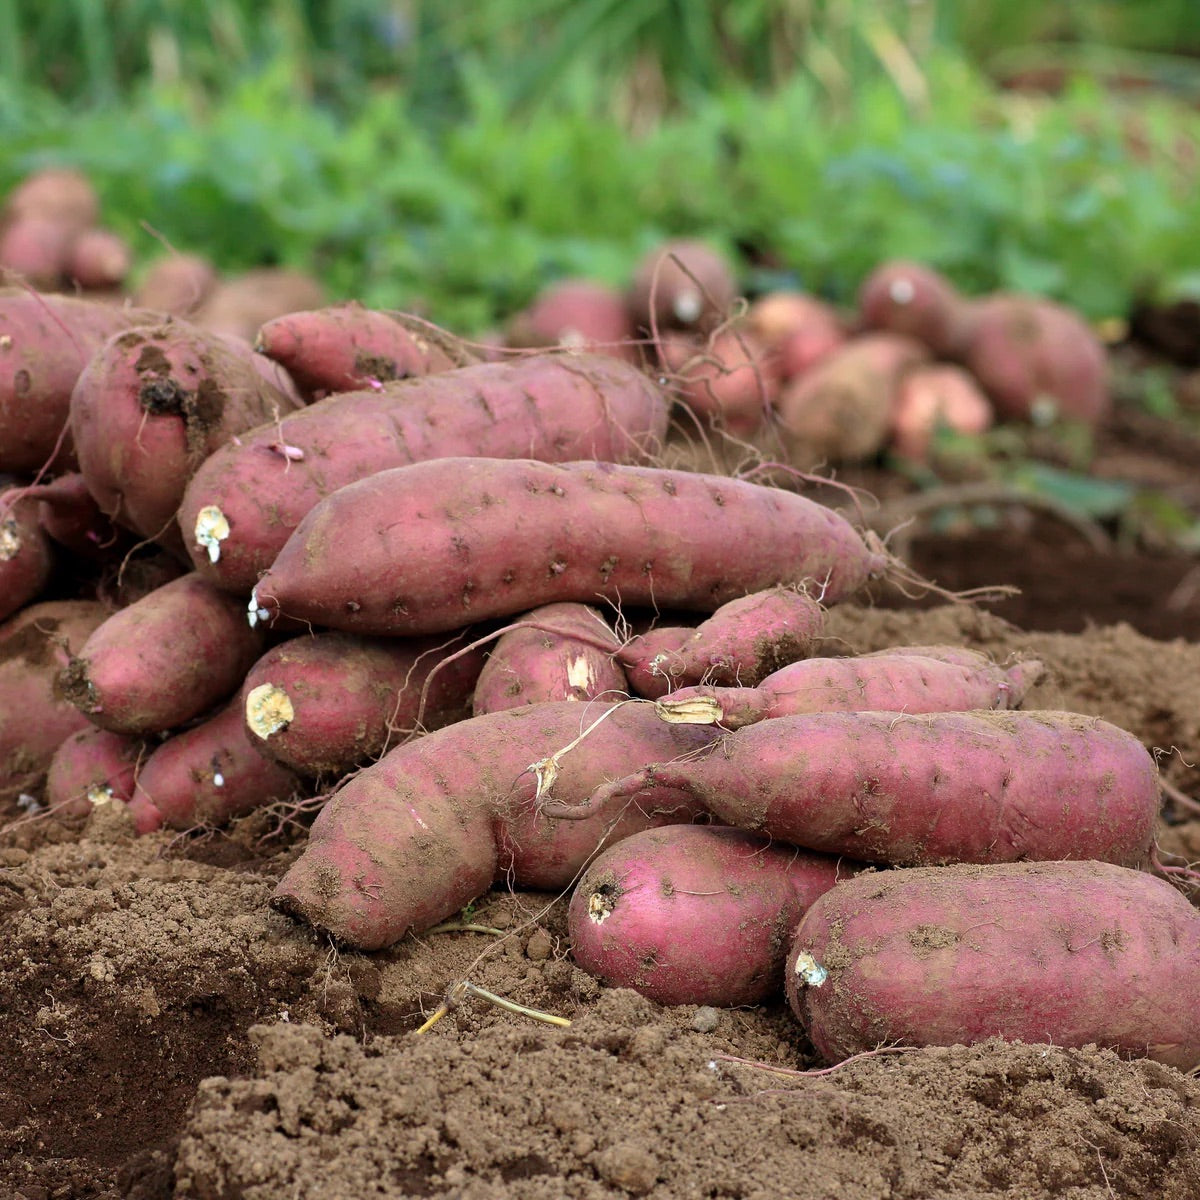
{"x":26,"y":555}
{"x":430,"y":547}
{"x":915,"y":301}
{"x":322,"y":704}
{"x":578,"y":315}
{"x":921,"y":790}
{"x":552,"y":407}
{"x":683,"y":283}
{"x":695,"y":914}
{"x":419,"y":834}
{"x":164,"y":659}
{"x":91,"y":767}
{"x":1067,"y":952}
{"x":566,"y":652}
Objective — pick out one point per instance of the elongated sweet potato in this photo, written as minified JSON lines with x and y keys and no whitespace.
{"x":91,"y":768}
{"x":921,"y":790}
{"x":566,"y":652}
{"x":324,"y":703}
{"x":26,"y":555}
{"x":150,"y":406}
{"x":414,"y":837}
{"x":696,"y":914}
{"x":244,"y":503}
{"x":429,"y":547}
{"x":45,"y":342}
{"x":743,"y":642}
{"x":163,"y":660}
{"x":880,"y":682}
{"x":1073,"y":953}
{"x":346,"y":347}
{"x":35,"y":718}
{"x":208,"y":775}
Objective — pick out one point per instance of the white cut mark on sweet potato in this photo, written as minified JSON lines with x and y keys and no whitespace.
{"x":212,"y":528}
{"x":99,"y":794}
{"x":269,"y":710}
{"x":10,"y":540}
{"x":696,"y":710}
{"x":580,"y":674}
{"x":809,"y":970}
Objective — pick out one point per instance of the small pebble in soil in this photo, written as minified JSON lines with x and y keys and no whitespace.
{"x":705,"y":1019}
{"x":539,"y":946}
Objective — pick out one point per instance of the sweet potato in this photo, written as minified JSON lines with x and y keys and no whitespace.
{"x":240,"y":306}
{"x":729,"y":380}
{"x":150,"y":406}
{"x":347,"y":347}
{"x":1073,"y":953}
{"x":35,"y":718}
{"x":841,"y":410}
{"x":37,"y":249}
{"x":797,"y":330}
{"x":742,"y":643}
{"x":63,"y":194}
{"x":565,"y":652}
{"x":921,"y":790}
{"x":324,"y":703}
{"x":26,"y":554}
{"x":580,"y":315}
{"x":683,"y":284}
{"x":695,"y":914}
{"x":208,"y":775}
{"x":936,"y":396}
{"x":90,"y":768}
{"x":244,"y":503}
{"x":163,"y":660}
{"x":916,"y":301}
{"x":69,"y":514}
{"x":414,"y":837}
{"x":45,"y":342}
{"x":432,"y":546}
{"x":880,"y":682}
{"x":98,"y":258}
{"x":176,"y":284}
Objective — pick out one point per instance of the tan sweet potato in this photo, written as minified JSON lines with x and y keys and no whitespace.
{"x":936,"y":396}
{"x":98,"y":258}
{"x":176,"y":284}
{"x":242,"y":305}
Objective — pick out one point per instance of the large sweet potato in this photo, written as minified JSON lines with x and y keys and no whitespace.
{"x":243,"y":504}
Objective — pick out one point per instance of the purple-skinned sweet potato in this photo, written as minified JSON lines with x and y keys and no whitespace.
{"x":91,"y":768}
{"x":26,"y":554}
{"x":347,"y":348}
{"x":244,"y":503}
{"x":563,"y":652}
{"x":696,"y":914}
{"x":432,"y":546}
{"x":164,"y":659}
{"x":207,"y":775}
{"x":69,"y":514}
{"x":324,"y":703}
{"x":578,"y":315}
{"x":682,"y":283}
{"x":915,"y":301}
{"x":149,"y":408}
{"x":35,"y":717}
{"x":410,"y":840}
{"x":742,"y":642}
{"x":879,"y":682}
{"x":923,"y":790}
{"x":1072,"y":953}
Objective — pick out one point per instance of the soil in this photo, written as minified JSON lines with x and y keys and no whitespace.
{"x":168,"y":1035}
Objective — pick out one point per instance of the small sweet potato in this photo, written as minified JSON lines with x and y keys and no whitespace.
{"x":346,"y":347}
{"x":69,"y":514}
{"x":432,"y":546}
{"x":35,"y":645}
{"x":742,"y":643}
{"x":695,"y":914}
{"x":921,"y":790}
{"x":324,"y":703}
{"x":1072,"y":953}
{"x":411,"y":839}
{"x":936,"y":396}
{"x":98,"y":258}
{"x":564,"y":652}
{"x":797,"y":330}
{"x":176,"y":284}
{"x":245,"y":501}
{"x":63,"y":194}
{"x":208,"y":775}
{"x":918,"y":302}
{"x":683,"y":284}
{"x":163,"y":660}
{"x":26,"y":553}
{"x":91,"y":768}
{"x":37,"y":249}
{"x":580,"y":315}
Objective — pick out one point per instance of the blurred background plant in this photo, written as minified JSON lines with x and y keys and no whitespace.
{"x":453,"y":156}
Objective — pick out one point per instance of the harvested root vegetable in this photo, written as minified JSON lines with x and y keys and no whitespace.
{"x":1028,"y":352}
{"x":26,"y":553}
{"x":91,"y":768}
{"x":410,"y":840}
{"x":1073,"y":953}
{"x":151,"y":406}
{"x":922,"y":790}
{"x":682,"y":284}
{"x":245,"y":502}
{"x":841,"y":410}
{"x":61,"y":194}
{"x":347,"y":347}
{"x":742,"y":643}
{"x":696,"y":914}
{"x":881,"y":682}
{"x":934,"y":397}
{"x":163,"y":660}
{"x":323,"y":704}
{"x":729,"y":380}
{"x":99,"y":258}
{"x":69,"y":514}
{"x":430,"y":547}
{"x":38,"y":249}
{"x":919,"y":303}
{"x":566,"y":652}
{"x":176,"y":284}
{"x":208,"y":775}
{"x":45,"y":342}
{"x":796,"y":329}
{"x":241,"y":306}
{"x":580,"y":315}
{"x":35,"y":646}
